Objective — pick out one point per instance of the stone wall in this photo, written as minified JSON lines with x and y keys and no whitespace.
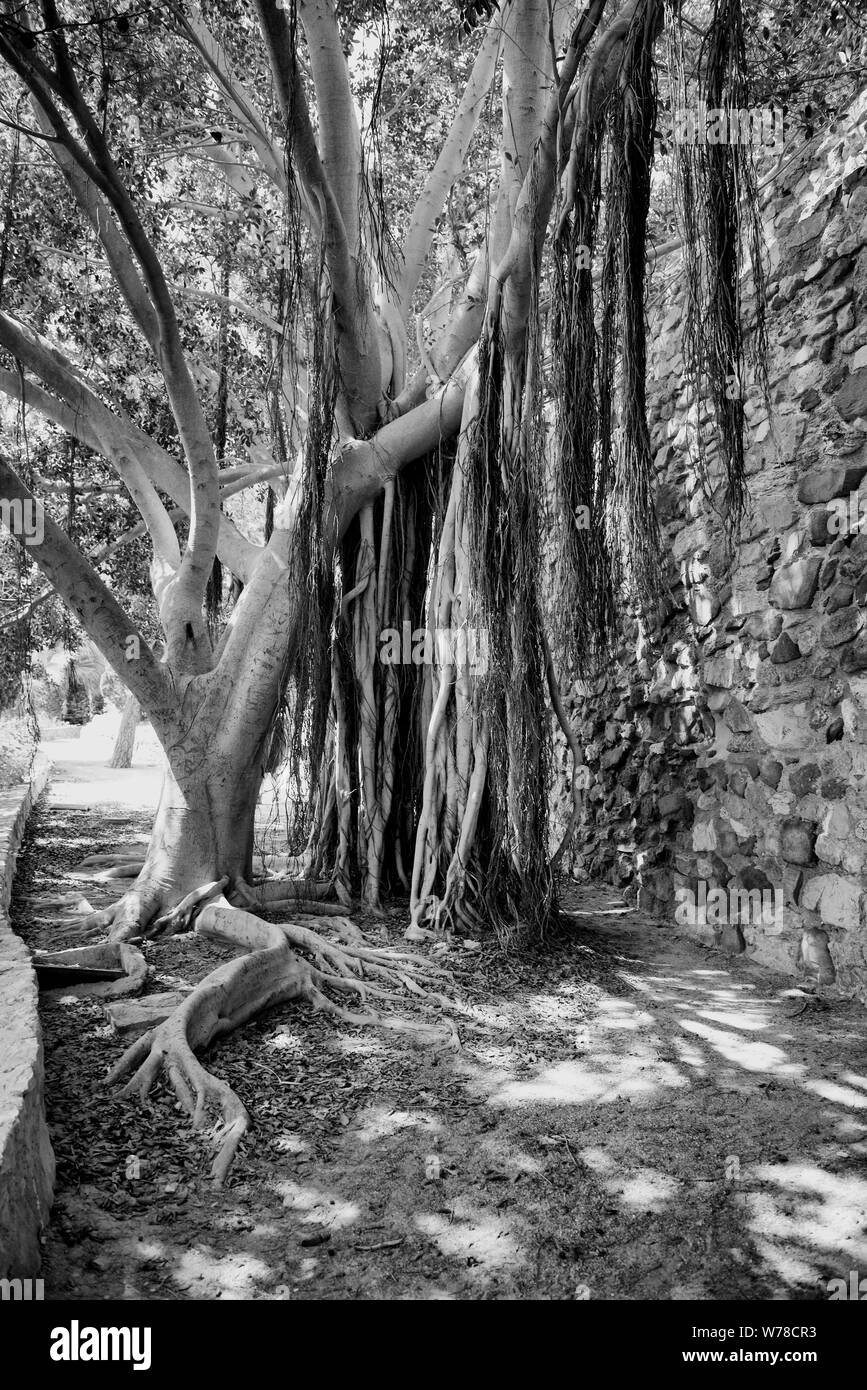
{"x":727,"y":747}
{"x":26,"y":1158}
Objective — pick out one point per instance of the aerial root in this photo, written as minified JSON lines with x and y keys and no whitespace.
{"x":271,"y":973}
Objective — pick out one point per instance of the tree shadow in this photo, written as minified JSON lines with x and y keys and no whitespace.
{"x":630,"y":1116}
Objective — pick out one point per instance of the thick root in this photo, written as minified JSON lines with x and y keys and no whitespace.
{"x":92,"y":921}
{"x":102,"y":868}
{"x":272,"y":973}
{"x":222,"y":1002}
{"x":304,"y":895}
{"x":135,"y":910}
{"x":130,"y":869}
{"x":353,"y":961}
{"x":178,"y":920}
{"x":305,"y":907}
{"x":107,"y":861}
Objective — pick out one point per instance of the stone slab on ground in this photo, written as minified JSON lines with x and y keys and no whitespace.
{"x":135,"y":1016}
{"x":104,"y":955}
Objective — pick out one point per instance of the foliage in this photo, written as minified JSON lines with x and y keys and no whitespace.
{"x":17,"y":749}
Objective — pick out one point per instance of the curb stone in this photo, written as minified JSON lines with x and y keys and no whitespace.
{"x":26,"y":1157}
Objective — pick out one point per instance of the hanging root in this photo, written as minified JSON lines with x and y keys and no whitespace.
{"x":271,"y":973}
{"x":575,"y":750}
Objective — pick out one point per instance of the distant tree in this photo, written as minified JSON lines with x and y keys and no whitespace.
{"x":76,"y":706}
{"x":124,"y":743}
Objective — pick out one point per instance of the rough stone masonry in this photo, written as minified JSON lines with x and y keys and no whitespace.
{"x":727,"y":746}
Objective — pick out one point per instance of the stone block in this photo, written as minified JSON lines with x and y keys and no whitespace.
{"x":835,"y":898}
{"x":794,"y":585}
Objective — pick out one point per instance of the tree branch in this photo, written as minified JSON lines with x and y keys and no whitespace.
{"x":339,"y":134}
{"x":358,"y":355}
{"x":238,"y":305}
{"x":71,"y":403}
{"x":98,"y":611}
{"x":116,"y":249}
{"x":135,"y":533}
{"x":365,"y":466}
{"x":451,"y":158}
{"x":96,"y":163}
{"x":238,"y":98}
{"x":536,"y":197}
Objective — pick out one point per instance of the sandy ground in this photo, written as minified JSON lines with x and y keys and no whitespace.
{"x":629,"y":1116}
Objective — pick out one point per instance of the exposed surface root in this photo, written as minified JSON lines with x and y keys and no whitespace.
{"x":135,"y":910}
{"x":131,"y":869}
{"x":283,"y":890}
{"x":106,"y":861}
{"x":104,"y":867}
{"x":92,"y":921}
{"x":306,"y":907}
{"x":178,"y":920}
{"x":271,"y":973}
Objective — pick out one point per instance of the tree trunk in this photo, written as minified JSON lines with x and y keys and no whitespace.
{"x":124,"y":744}
{"x":203,"y":831}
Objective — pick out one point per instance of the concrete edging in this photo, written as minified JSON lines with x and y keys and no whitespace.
{"x":26,"y":1157}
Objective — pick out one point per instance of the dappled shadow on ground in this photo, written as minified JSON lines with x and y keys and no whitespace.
{"x":630,"y":1116}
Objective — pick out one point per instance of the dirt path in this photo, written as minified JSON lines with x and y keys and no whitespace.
{"x":630,"y":1116}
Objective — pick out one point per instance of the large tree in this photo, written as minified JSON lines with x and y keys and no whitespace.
{"x":450,"y":368}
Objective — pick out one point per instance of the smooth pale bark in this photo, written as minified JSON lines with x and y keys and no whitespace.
{"x":339,"y":134}
{"x":204,"y":823}
{"x":511,"y":278}
{"x":364,"y":467}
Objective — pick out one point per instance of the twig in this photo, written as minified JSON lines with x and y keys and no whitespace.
{"x":383,"y":1245}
